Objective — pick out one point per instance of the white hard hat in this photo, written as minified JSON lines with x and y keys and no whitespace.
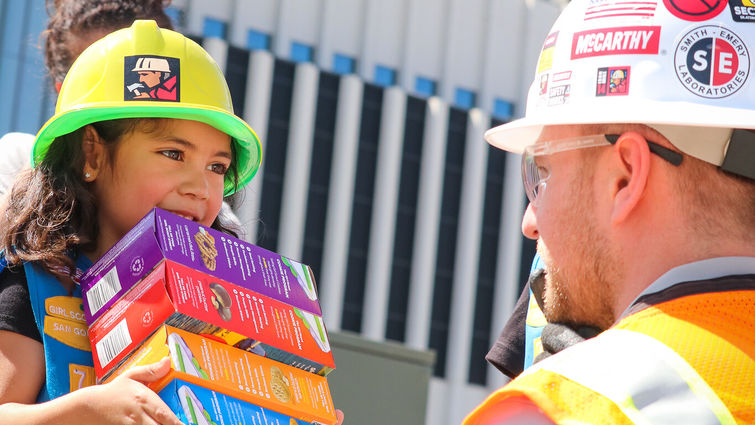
{"x":151,"y":64}
{"x":686,"y":70}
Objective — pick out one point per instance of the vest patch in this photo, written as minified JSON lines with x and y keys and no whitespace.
{"x":81,"y":376}
{"x":65,"y":308}
{"x":70,"y":333}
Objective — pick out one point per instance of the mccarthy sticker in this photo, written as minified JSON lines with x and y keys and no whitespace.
{"x":151,"y":78}
{"x":616,"y":41}
{"x":712,"y":62}
{"x":742,"y":10}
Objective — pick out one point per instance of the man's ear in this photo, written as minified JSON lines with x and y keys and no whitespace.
{"x":631,"y":157}
{"x":95,"y":154}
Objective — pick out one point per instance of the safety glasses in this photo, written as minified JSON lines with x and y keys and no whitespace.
{"x":536,"y":172}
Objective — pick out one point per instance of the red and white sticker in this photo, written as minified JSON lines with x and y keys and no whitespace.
{"x":616,"y":41}
{"x":601,"y":9}
{"x":695,"y":10}
{"x":712,"y":62}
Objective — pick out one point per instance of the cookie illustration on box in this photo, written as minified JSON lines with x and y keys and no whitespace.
{"x":195,"y":413}
{"x":221,"y":300}
{"x":183,"y":358}
{"x":279,"y":385}
{"x":207,"y":249}
{"x":302,"y":275}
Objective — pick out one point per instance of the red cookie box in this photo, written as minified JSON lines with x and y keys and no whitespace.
{"x":179,"y":296}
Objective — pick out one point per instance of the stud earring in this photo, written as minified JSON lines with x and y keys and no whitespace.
{"x":87,"y":175}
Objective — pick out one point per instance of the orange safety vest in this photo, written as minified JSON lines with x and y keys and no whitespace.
{"x":690,"y":360}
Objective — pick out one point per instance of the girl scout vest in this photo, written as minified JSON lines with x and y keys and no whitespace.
{"x":690,"y":360}
{"x":60,"y":320}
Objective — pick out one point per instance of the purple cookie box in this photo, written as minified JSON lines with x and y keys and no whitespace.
{"x":161,"y":235}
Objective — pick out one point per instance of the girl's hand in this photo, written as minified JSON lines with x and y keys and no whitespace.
{"x":127,"y":400}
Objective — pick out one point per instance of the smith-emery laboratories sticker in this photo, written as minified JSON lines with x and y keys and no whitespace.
{"x":712,"y":62}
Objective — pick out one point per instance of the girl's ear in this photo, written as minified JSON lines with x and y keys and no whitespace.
{"x":94,"y":154}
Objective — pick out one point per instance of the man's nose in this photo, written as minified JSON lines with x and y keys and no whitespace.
{"x":529,"y":223}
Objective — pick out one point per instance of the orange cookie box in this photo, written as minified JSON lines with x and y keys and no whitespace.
{"x":237,"y":373}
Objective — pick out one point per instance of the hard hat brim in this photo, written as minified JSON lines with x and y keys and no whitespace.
{"x":248,"y":154}
{"x":514,"y":136}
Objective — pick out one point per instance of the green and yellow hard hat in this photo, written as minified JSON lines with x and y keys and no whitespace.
{"x":145,"y":71}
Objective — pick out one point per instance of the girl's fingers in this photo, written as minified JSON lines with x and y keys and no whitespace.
{"x":160,"y":413}
{"x":149,"y":373}
{"x":157,"y":411}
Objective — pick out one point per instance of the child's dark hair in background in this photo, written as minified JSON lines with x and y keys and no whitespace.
{"x":75,"y":24}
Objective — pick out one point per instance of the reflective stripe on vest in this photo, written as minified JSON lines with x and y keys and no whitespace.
{"x":656,"y":386}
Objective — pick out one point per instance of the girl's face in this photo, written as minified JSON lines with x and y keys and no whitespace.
{"x":180,"y":167}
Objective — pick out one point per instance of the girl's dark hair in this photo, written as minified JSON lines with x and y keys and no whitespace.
{"x":70,"y":19}
{"x":52,"y":213}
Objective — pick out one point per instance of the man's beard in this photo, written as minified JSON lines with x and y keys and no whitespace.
{"x":579,"y":285}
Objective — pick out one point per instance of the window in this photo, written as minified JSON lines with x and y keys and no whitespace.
{"x":502,"y":109}
{"x":214,"y":28}
{"x":384,"y":76}
{"x":319,"y":180}
{"x":256,"y":40}
{"x":465,"y":98}
{"x":425,"y":86}
{"x":343,"y":64}
{"x":275,"y":154}
{"x":361,"y":214}
{"x":406,"y":217}
{"x":301,"y":52}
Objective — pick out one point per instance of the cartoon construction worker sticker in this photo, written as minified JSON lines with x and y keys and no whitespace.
{"x":151,"y":78}
{"x":612,"y":81}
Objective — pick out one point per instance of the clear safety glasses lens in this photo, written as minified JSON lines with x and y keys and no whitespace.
{"x":534,"y":177}
{"x":535,"y":173}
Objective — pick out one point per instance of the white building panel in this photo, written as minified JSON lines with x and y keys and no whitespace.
{"x":502,"y":68}
{"x":384,"y":30}
{"x":258,"y":15}
{"x":464,"y":50}
{"x":340,"y":200}
{"x":218,"y":49}
{"x":342,"y":30}
{"x":197,"y":11}
{"x":467,"y":259}
{"x":427,"y":222}
{"x":426,"y":40}
{"x":298,"y":21}
{"x":256,"y":112}
{"x":540,"y":18}
{"x":298,"y":162}
{"x":383,"y":223}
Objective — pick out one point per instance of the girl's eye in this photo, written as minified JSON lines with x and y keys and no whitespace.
{"x":221,"y":169}
{"x":174,"y":155}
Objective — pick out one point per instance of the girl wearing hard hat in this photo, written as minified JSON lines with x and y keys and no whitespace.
{"x":102,"y":162}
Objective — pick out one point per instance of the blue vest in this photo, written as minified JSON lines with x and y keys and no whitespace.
{"x":60,"y":320}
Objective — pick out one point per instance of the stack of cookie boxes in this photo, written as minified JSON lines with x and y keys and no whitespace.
{"x":242,"y":325}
